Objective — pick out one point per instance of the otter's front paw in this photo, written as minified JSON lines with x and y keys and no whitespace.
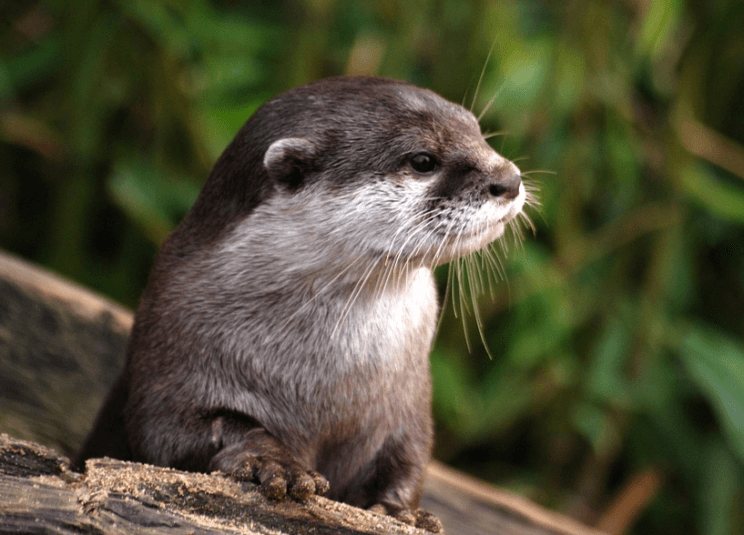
{"x":277,"y":475}
{"x":278,"y":479}
{"x":413,"y":517}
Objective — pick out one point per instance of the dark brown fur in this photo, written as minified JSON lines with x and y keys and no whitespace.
{"x":227,"y":369}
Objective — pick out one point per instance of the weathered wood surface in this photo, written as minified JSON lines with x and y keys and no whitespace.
{"x":61,"y":347}
{"x":40,"y":494}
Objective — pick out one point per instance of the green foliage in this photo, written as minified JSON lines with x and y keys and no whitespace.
{"x":618,"y":335}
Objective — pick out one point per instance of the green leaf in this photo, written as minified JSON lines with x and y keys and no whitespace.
{"x":162,"y":24}
{"x":229,"y":76}
{"x":596,"y":426}
{"x":541,"y":323}
{"x":662,"y":431}
{"x":502,"y":402}
{"x":452,"y":399}
{"x":721,"y":483}
{"x":156,"y":204}
{"x":35,"y":64}
{"x":219,"y":124}
{"x":607,"y":378}
{"x":570,"y":79}
{"x":471,"y":408}
{"x":658,"y":27}
{"x":722,"y":198}
{"x":621,"y":148}
{"x":716,"y":363}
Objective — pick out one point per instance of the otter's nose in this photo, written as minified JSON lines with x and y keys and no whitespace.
{"x":506,"y":182}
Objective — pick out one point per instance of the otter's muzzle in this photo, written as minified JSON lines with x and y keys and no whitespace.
{"x":505,"y":184}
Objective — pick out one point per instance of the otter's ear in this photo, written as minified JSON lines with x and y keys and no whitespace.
{"x":289,"y":160}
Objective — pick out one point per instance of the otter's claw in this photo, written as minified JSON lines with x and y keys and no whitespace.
{"x":413,"y":517}
{"x":277,"y":475}
{"x":276,"y":481}
{"x":427,"y":521}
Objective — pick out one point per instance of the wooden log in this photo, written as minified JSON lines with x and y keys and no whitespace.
{"x":39,"y":494}
{"x":62,"y":346}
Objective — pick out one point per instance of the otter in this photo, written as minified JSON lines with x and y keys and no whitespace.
{"x":284,"y":333}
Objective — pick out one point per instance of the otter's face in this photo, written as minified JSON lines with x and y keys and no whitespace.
{"x":459,"y":192}
{"x":381,"y":168}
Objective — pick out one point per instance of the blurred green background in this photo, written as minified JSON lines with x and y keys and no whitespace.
{"x":616,"y":391}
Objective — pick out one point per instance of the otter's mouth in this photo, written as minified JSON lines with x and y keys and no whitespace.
{"x":492,"y":230}
{"x":482,"y":234}
{"x":460,"y":233}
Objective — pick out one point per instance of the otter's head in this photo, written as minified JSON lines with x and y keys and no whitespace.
{"x":367,"y":167}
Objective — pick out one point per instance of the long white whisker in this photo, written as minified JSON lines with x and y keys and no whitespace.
{"x":480,"y":80}
{"x":463,"y":303}
{"x":538,"y":171}
{"x":447,"y":291}
{"x":418,"y":229}
{"x":489,"y":135}
{"x":476,"y":310}
{"x":490,"y":103}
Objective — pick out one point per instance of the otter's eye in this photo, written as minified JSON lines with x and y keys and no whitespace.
{"x":424,"y":163}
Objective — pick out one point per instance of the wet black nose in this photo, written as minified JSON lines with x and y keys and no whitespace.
{"x":506,"y":183}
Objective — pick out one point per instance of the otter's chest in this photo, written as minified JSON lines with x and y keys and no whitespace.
{"x":331,"y":366}
{"x":364,"y":363}
{"x":373,"y":349}
{"x":390,"y":328}
{"x":378,"y":384}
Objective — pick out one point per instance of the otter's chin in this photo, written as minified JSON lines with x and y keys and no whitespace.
{"x":461,"y":246}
